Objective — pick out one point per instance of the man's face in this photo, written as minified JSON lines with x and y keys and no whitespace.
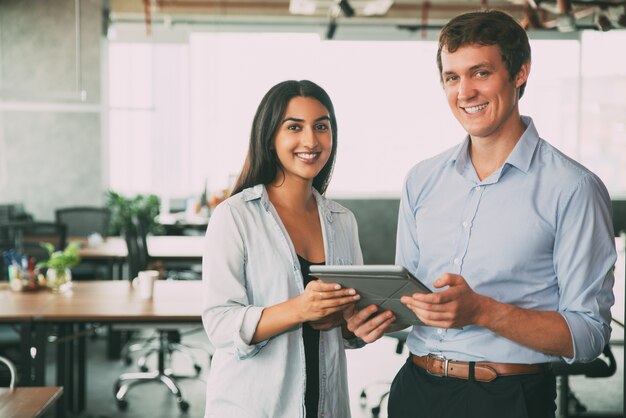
{"x":479,"y":89}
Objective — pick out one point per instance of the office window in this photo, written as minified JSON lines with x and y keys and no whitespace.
{"x":180,"y":113}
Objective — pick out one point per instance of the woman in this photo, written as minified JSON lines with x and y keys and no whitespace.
{"x":278,"y":333}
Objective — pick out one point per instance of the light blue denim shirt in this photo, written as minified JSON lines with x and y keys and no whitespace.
{"x":250,"y":263}
{"x":537,"y":234}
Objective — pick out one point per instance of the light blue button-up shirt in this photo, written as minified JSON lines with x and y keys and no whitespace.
{"x":250,"y":263}
{"x":537,"y":234}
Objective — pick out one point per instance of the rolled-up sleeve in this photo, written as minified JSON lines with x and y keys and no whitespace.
{"x":228,"y":318}
{"x":584,"y":257}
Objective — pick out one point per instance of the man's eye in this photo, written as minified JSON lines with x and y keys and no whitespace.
{"x":482,"y":74}
{"x":451,"y":78}
{"x":293,"y":127}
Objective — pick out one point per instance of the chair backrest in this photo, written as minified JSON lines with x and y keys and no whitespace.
{"x":81,"y":221}
{"x":12,"y":370}
{"x":26,"y":237}
{"x":136,"y":242}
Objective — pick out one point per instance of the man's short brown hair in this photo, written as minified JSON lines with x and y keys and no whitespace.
{"x":488,"y":27}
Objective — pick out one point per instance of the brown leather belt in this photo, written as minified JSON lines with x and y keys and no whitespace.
{"x":484,"y":371}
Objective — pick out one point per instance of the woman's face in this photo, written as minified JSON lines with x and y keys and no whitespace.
{"x":303,"y":140}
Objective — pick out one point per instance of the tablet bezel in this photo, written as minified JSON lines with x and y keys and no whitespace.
{"x":381,"y":284}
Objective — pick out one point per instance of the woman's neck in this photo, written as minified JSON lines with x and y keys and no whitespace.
{"x":298,"y":197}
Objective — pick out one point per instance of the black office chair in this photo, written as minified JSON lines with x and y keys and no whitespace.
{"x":26,"y":237}
{"x":401,"y":337}
{"x":569,"y":405}
{"x":167,"y":340}
{"x":81,"y":222}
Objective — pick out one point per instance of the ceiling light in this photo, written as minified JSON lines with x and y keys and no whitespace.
{"x":346,"y":9}
{"x":377,"y":8}
{"x":302,"y":7}
{"x":332,"y":27}
{"x":603,"y":22}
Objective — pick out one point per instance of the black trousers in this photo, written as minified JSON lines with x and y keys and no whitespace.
{"x":417,"y":394}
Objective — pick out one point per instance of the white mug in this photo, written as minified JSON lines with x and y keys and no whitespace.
{"x":144,"y":283}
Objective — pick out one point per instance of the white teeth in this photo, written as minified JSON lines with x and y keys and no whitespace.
{"x":306,"y":155}
{"x":474,"y":109}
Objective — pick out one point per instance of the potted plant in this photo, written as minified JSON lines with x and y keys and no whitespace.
{"x":58,"y":264}
{"x":144,"y":207}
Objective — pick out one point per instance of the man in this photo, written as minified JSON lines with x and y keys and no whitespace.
{"x":514,"y":238}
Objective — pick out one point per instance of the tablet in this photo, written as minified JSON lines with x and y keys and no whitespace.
{"x":382,"y":285}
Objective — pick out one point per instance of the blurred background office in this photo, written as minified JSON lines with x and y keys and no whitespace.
{"x":156,"y":98}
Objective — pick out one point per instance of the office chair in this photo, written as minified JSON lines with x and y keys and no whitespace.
{"x":142,"y":262}
{"x":138,"y":259}
{"x":26,"y":237}
{"x":600,"y":367}
{"x":12,"y":371}
{"x":82,"y":221}
{"x":401,"y":337}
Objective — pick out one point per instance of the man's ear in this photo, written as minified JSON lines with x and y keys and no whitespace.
{"x":522,"y":74}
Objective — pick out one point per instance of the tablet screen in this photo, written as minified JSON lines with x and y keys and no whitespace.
{"x":382,"y":285}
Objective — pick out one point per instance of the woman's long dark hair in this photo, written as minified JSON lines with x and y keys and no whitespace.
{"x":262,"y":165}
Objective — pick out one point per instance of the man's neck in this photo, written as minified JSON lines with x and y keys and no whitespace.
{"x":488,"y":154}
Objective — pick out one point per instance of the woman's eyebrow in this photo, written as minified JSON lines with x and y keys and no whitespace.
{"x":325,"y":117}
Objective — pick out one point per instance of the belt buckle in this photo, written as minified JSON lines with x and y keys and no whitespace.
{"x":437,"y":357}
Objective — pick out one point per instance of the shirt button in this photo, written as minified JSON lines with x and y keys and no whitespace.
{"x":439,"y":331}
{"x":465,"y":224}
{"x":323,"y":375}
{"x":477,"y":188}
{"x":457,"y":261}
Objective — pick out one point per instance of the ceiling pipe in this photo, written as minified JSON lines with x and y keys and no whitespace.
{"x":147,"y":16}
{"x":425,"y":8}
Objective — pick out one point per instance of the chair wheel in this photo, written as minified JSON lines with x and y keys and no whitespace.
{"x":116,"y":388}
{"x":128,"y":361}
{"x":183,"y":405}
{"x":122,"y":404}
{"x":144,"y":368}
{"x":197,"y":368}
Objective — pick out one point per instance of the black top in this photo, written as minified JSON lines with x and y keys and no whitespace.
{"x":311,"y":351}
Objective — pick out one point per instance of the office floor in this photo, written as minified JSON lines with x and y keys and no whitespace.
{"x":372,"y":366}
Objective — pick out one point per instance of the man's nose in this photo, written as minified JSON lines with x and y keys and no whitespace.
{"x":466,"y":89}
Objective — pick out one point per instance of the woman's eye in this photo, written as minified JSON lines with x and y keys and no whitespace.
{"x":293,"y":127}
{"x":321,"y":127}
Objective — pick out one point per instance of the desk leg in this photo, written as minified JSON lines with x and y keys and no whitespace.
{"x":27,"y":377}
{"x":82,"y":368}
{"x":39,"y":362}
{"x":114,"y":343}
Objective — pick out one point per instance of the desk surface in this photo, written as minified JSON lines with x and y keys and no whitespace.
{"x":105,"y":301}
{"x":27,"y":402}
{"x":160,"y":246}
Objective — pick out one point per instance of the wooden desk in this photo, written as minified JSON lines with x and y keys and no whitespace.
{"x":101,"y":301}
{"x":27,"y":402}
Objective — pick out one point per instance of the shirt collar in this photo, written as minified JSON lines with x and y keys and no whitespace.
{"x":259,"y":192}
{"x":520,"y":157}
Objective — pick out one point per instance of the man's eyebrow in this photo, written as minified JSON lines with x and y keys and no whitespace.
{"x":325,"y":117}
{"x":471,"y":69}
